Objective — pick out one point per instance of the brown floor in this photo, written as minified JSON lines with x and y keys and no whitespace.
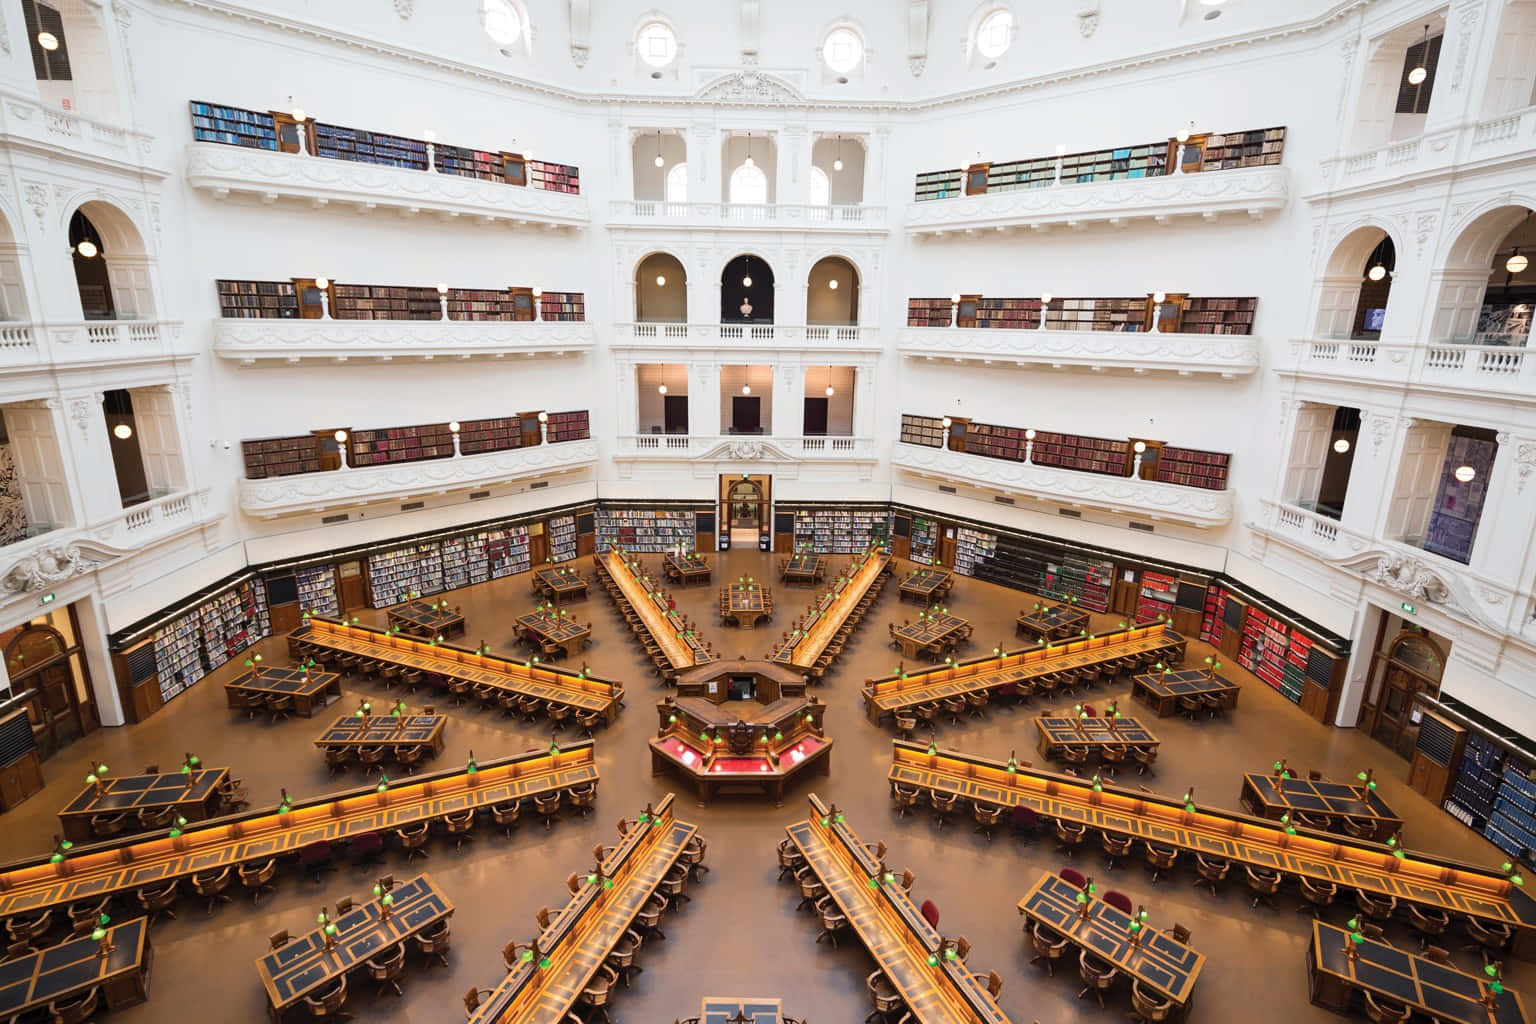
{"x":741,"y":934}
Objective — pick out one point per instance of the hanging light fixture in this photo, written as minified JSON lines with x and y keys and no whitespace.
{"x":661,"y":389}
{"x":661,"y":279}
{"x":748,"y":161}
{"x":1465,"y":474}
{"x":830,"y":390}
{"x":746,"y":281}
{"x":87,"y":248}
{"x":1517,"y":262}
{"x":832,"y":284}
{"x":122,"y":431}
{"x":48,"y":41}
{"x":746,"y":389}
{"x":659,"y":159}
{"x":295,"y":111}
{"x":837,"y":163}
{"x":1419,"y":73}
{"x":1341,"y":445}
{"x":1377,"y":272}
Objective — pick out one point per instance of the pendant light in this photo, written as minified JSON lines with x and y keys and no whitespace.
{"x":1517,"y":262}
{"x":746,"y":389}
{"x":748,"y":161}
{"x":661,"y":389}
{"x":659,"y":160}
{"x":1419,"y":73}
{"x":1377,"y":272}
{"x":837,"y":163}
{"x":830,"y":390}
{"x":48,"y":41}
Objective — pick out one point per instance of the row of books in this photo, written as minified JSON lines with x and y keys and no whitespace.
{"x":840,"y":531}
{"x":645,"y":530}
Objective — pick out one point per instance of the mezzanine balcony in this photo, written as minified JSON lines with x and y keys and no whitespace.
{"x":1226,"y":355}
{"x":255,"y":341}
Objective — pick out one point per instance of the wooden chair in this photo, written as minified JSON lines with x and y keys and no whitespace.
{"x":76,"y":1011}
{"x":987,"y":816}
{"x":338,"y":759}
{"x":277,"y":940}
{"x":387,"y":969}
{"x":371,"y":758}
{"x":624,"y":956}
{"x":693,"y":856}
{"x":1069,"y":835}
{"x":27,"y":929}
{"x":943,"y":806}
{"x":1115,"y":847}
{"x":154,"y":821}
{"x":1427,"y":923}
{"x":408,"y":759}
{"x":954,"y":707}
{"x":414,"y":840}
{"x":1160,"y":859}
{"x":597,"y":994}
{"x":1145,"y":757}
{"x":1211,"y":871}
{"x":791,"y":860}
{"x":280,"y":707}
{"x":992,"y":980}
{"x":906,"y":723}
{"x":675,"y":885}
{"x":1262,"y":884}
{"x":589,"y":721}
{"x":1357,"y":828}
{"x":811,"y":889}
{"x":832,"y":920}
{"x":548,"y":806}
{"x":1180,"y":934}
{"x":1316,"y":896}
{"x":460,"y":826}
{"x":233,"y":795}
{"x":649,"y":917}
{"x":1377,"y":908}
{"x":328,"y":1004}
{"x":1438,"y":955}
{"x":1096,"y":974}
{"x":506,"y":815}
{"x":1382,"y":1010}
{"x":345,"y":905}
{"x":1191,"y":707}
{"x":210,"y":885}
{"x":1491,"y":936}
{"x":580,"y":798}
{"x":1318,"y":823}
{"x":17,"y":950}
{"x":84,"y":916}
{"x":155,"y":902}
{"x":1147,"y":1008}
{"x":883,"y":997}
{"x":1073,"y":755}
{"x":1049,"y":947}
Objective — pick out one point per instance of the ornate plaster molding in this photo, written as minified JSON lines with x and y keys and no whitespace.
{"x":232,"y":170}
{"x":320,"y":492}
{"x":1185,"y":354}
{"x":1139,"y":499}
{"x":299,"y":341}
{"x":750,"y":88}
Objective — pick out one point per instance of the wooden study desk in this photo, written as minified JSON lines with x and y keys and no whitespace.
{"x":89,"y":873}
{"x":555,"y":633}
{"x":829,"y":613}
{"x":194,"y":795}
{"x":576,"y":690}
{"x":803,"y":570}
{"x":652,"y":607}
{"x":929,"y":633}
{"x":746,"y":604}
{"x":889,"y":694}
{"x":685,"y":570}
{"x":425,"y":619}
{"x":389,"y":731}
{"x":1161,"y":691}
{"x":926,"y":585}
{"x":1431,"y":989}
{"x":71,"y":969}
{"x":560,"y":583}
{"x":589,"y":926}
{"x":889,"y":924}
{"x":309,"y":688}
{"x":1269,"y":797}
{"x":304,"y":965}
{"x":752,"y":1009}
{"x":1168,"y":968}
{"x":1058,"y":622}
{"x":1444,"y":884}
{"x":1056,"y":732}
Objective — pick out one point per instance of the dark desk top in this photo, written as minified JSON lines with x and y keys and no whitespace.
{"x":424,"y":614}
{"x":925,"y":581}
{"x":559,"y":628}
{"x":1318,"y":797}
{"x":147,"y":792}
{"x":931,"y":629}
{"x":304,"y":964}
{"x":1060,"y":616}
{"x":804,"y":563}
{"x":70,"y":968}
{"x":689,"y":564}
{"x":1096,"y":732}
{"x":1169,"y":968}
{"x":724,"y":1009}
{"x":745,"y":597}
{"x":732,"y":711}
{"x":564,"y":579}
{"x":386,"y":729}
{"x":1184,"y":683}
{"x":1432,"y":989}
{"x":293,"y":680}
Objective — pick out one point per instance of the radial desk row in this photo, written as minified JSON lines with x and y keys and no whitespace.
{"x":653,"y":608}
{"x":842,"y":605}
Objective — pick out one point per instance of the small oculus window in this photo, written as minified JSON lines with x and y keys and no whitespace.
{"x":656,"y":44}
{"x":502,"y":21}
{"x":843,"y":50}
{"x":995,"y":34}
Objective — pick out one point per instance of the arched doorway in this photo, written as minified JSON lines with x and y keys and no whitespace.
{"x":51,"y":664}
{"x":1487,"y":283}
{"x":832,"y":293}
{"x":746,"y":510}
{"x":111,"y":263}
{"x":746,"y":291}
{"x":1356,"y":284}
{"x":1411,"y":664}
{"x":661,"y":290}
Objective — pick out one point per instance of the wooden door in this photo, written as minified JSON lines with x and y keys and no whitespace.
{"x":976,"y":179}
{"x":947,"y":545}
{"x":39,"y":467}
{"x":1123,"y":598}
{"x":351,"y":591}
{"x":1418,"y":481}
{"x":522,"y":304}
{"x":538,"y":544}
{"x":285,"y":617}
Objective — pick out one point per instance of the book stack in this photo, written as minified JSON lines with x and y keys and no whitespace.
{"x":394,"y":575}
{"x":1190,"y":468}
{"x":494,"y":435}
{"x":642,"y":530}
{"x":923,"y":430}
{"x":844,"y":531}
{"x":337,"y":143}
{"x":995,"y":442}
{"x":972,"y":548}
{"x":264,"y":300}
{"x":384,"y":302}
{"x":930,"y":312}
{"x":317,"y":590}
{"x":178,"y":655}
{"x":400,"y":444}
{"x":1218,"y":316}
{"x":562,"y":538}
{"x":232,"y":126}
{"x":554,"y":177}
{"x":1086,"y":454}
{"x":924,"y":541}
{"x":280,"y":456}
{"x":1156,"y":597}
{"x":937,"y":185}
{"x":567,"y":426}
{"x":1011,"y":314}
{"x":1215,"y":611}
{"x":562,"y":307}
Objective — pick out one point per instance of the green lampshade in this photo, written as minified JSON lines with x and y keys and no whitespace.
{"x":1506,"y":867}
{"x":98,"y":934}
{"x":378,"y":890}
{"x":1357,"y":937}
{"x":55,"y":858}
{"x":322,"y":917}
{"x":1277,"y":766}
{"x":933,"y":961}
{"x":1496,"y":987}
{"x":91,"y":780}
{"x":1516,"y":880}
{"x":778,"y":736}
{"x":186,"y":769}
{"x":1359,"y":775}
{"x":1143,"y":915}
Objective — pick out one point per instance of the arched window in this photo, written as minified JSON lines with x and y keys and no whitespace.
{"x":503,"y":22}
{"x":749,"y":185}
{"x":821,"y":188}
{"x":677,"y":183}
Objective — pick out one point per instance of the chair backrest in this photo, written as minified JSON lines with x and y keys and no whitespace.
{"x":930,"y":911}
{"x":79,"y":1010}
{"x":1180,"y":934}
{"x":1073,"y":876}
{"x":1024,"y":817}
{"x":345,"y":904}
{"x":1119,"y":900}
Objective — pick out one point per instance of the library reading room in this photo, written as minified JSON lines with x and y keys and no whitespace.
{"x":1068,"y":601}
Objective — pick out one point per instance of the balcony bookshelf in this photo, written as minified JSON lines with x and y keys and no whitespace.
{"x":400,"y":444}
{"x":568,"y":426}
{"x":923,"y":430}
{"x":232,"y":126}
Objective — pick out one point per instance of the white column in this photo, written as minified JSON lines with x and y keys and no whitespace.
{"x":1370,"y":479}
{"x":1499,"y":551}
{"x":87,"y":451}
{"x":704,"y":143}
{"x":624,"y":156}
{"x":703,"y":399}
{"x":1362,"y":633}
{"x":789,"y":401}
{"x":792,"y":146}
{"x":627,"y":403}
{"x":92,"y":617}
{"x":1465,"y":55}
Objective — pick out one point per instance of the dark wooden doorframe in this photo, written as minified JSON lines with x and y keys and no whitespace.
{"x":1392,"y":689}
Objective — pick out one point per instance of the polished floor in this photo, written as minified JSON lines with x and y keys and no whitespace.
{"x":741,"y":934}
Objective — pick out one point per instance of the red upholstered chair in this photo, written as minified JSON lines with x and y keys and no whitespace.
{"x":1088,"y":710}
{"x":1119,"y":900}
{"x":931,"y":912}
{"x":1024,"y":820}
{"x":1073,"y":876}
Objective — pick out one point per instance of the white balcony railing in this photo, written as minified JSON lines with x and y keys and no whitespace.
{"x":1506,"y":137}
{"x":24,"y":119}
{"x":31,"y":346}
{"x":744,"y":447}
{"x":224,"y":171}
{"x":1253,"y":191}
{"x":319,"y":492}
{"x":1496,"y":370}
{"x":764,"y":336}
{"x":1227,"y":355}
{"x":251,"y":341}
{"x":1138,"y":499}
{"x":779,"y":216}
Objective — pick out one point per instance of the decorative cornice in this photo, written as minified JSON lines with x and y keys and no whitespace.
{"x":298,"y":341}
{"x":233,"y":170}
{"x":1140,"y":499}
{"x":1226,"y":355}
{"x":319,"y":492}
{"x":1253,"y":190}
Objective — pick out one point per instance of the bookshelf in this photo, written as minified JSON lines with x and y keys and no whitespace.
{"x":484,"y":555}
{"x":845,"y":530}
{"x":233,"y":126}
{"x":1010,"y":314}
{"x":924,"y":430}
{"x":234,"y":620}
{"x":480,"y":304}
{"x":280,"y":456}
{"x":1156,"y":596}
{"x":554,"y":177}
{"x":469,"y":163}
{"x":265,"y":300}
{"x":563,"y":307}
{"x":334,"y":142}
{"x":1035,"y":567}
{"x":494,"y":435}
{"x":317,"y":590}
{"x":930,"y":312}
{"x":567,"y":426}
{"x":384,"y":302}
{"x":459,"y":558}
{"x":1097,"y":314}
{"x":937,"y":185}
{"x":1262,"y":147}
{"x":178,"y":655}
{"x":1119,"y":164}
{"x":506,"y":551}
{"x":562,"y":538}
{"x":399,"y":444}
{"x":1218,"y":316}
{"x":1191,"y":468}
{"x":1266,"y":639}
{"x":995,"y":442}
{"x":395,"y":574}
{"x":972,"y":548}
{"x":1478,"y":779}
{"x":1214,"y":614}
{"x":924,"y":540}
{"x":645,"y":530}
{"x":1019,"y":174}
{"x":1085,"y":454}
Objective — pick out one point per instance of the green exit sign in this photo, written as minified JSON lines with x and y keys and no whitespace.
{"x":1410,"y":609}
{"x":45,"y":599}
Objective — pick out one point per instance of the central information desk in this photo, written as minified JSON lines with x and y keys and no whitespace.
{"x":575,"y":690}
{"x":71,"y":969}
{"x":195,"y":795}
{"x":890,"y":694}
{"x":805,"y":645}
{"x":309,"y":688}
{"x":653,"y":607}
{"x":586,"y":930}
{"x":252,"y":837}
{"x":1452,"y":886}
{"x":888,"y":923}
{"x":1434,"y":990}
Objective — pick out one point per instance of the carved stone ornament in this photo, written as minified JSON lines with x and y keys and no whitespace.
{"x":1525,"y":463}
{"x":916,"y":66}
{"x":746,"y":450}
{"x":48,"y":567}
{"x":1408,"y":576}
{"x":405,"y":8}
{"x":579,"y":55}
{"x":37,"y":198}
{"x":749,"y":87}
{"x":120,"y":8}
{"x":1087,"y":23}
{"x":1468,"y":28}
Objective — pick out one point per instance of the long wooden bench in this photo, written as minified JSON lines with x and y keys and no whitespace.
{"x":893,"y":693}
{"x":543,"y":988}
{"x":832,"y":611}
{"x":579,"y":691}
{"x":1448,"y":885}
{"x":92,"y":872}
{"x":889,"y":924}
